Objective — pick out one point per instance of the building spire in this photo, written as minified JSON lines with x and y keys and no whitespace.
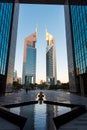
{"x":36,"y":29}
{"x":46,"y":33}
{"x":46,"y":29}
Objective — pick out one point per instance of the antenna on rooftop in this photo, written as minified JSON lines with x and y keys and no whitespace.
{"x":46,"y":29}
{"x":36,"y":29}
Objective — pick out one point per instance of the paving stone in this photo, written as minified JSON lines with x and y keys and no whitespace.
{"x":5,"y":125}
{"x":68,"y":128}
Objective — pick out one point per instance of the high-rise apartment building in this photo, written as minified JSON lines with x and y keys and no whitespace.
{"x":76,"y":35}
{"x":8,"y":34}
{"x":51,"y":76}
{"x":29,"y":59}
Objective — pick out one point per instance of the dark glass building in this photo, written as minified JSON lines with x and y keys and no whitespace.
{"x":8,"y":32}
{"x":76,"y":34}
{"x":30,"y":65}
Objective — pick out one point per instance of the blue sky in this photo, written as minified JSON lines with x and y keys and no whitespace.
{"x":52,"y":17}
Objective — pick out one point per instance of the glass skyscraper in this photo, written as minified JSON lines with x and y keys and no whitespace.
{"x":8,"y":31}
{"x":29,"y":60}
{"x":15,"y":75}
{"x":51,"y":77}
{"x":76,"y":34}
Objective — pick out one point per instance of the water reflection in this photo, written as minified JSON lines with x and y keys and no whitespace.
{"x":40,"y":116}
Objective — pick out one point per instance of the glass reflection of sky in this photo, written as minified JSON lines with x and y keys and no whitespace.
{"x":40,"y":116}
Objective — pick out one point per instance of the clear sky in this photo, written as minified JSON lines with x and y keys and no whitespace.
{"x":52,"y":17}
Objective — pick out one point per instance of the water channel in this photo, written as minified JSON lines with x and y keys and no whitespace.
{"x":40,"y":116}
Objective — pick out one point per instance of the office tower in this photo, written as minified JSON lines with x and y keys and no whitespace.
{"x":15,"y":75}
{"x":76,"y":39}
{"x":19,"y":80}
{"x":29,"y":59}
{"x":8,"y":32}
{"x":51,"y":77}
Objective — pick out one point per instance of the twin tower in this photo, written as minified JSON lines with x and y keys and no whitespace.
{"x":29,"y":60}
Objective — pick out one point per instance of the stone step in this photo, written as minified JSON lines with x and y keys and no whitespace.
{"x":69,"y":128}
{"x":82,"y":119}
{"x":81,"y":123}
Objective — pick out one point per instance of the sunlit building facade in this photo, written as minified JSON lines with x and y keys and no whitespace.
{"x":15,"y":75}
{"x":19,"y":80}
{"x":76,"y":34}
{"x":8,"y":34}
{"x":29,"y":60}
{"x":51,"y":76}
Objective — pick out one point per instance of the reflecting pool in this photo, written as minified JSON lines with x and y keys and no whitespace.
{"x":40,"y":116}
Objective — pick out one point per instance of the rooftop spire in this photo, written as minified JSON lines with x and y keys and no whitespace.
{"x":36,"y":29}
{"x":46,"y":29}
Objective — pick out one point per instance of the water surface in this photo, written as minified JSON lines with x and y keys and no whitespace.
{"x":40,"y":116}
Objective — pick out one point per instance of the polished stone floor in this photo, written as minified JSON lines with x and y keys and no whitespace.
{"x":79,"y":123}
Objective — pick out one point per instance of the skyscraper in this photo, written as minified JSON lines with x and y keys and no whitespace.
{"x":15,"y":75}
{"x":29,"y":59}
{"x":8,"y":34}
{"x":51,"y":77}
{"x":76,"y":35}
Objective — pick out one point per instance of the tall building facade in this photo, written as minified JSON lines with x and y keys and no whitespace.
{"x":76,"y":38}
{"x":29,"y":60}
{"x":8,"y":32}
{"x":51,"y":76}
{"x":15,"y":75}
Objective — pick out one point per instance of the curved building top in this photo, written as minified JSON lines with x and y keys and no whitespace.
{"x":29,"y":41}
{"x":49,"y":38}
